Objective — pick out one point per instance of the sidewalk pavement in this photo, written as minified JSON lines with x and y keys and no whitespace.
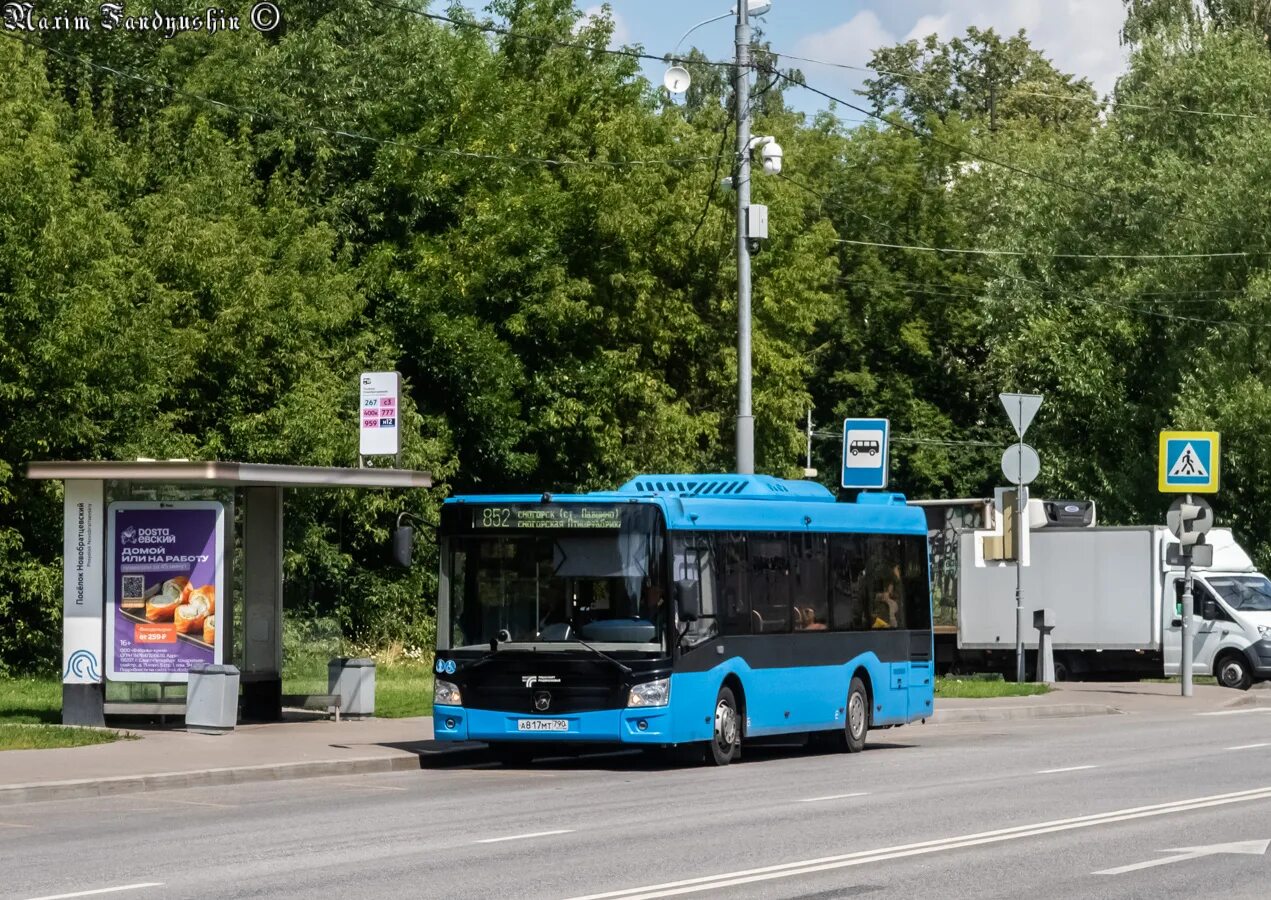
{"x":173,"y":758}
{"x":1087,"y":698}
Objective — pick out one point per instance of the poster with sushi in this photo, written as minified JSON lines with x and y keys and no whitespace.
{"x":165,"y":587}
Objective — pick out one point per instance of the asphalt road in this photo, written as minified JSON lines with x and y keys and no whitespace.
{"x":1051,"y":808}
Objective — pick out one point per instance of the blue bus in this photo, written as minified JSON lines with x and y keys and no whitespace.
{"x":699,"y":610}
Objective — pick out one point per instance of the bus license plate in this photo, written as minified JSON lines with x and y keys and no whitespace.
{"x":542,"y":725}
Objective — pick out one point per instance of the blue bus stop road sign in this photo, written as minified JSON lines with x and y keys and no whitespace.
{"x":1188,"y":462}
{"x":865,"y":453}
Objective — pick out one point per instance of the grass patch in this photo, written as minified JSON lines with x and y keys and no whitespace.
{"x":30,"y":701}
{"x":980,"y":687}
{"x":401,"y":688}
{"x":48,"y":737}
{"x":1196,"y":679}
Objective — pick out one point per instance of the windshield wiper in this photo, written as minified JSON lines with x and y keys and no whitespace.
{"x":605,"y":656}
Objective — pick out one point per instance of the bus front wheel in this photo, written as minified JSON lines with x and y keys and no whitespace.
{"x":725,"y":742}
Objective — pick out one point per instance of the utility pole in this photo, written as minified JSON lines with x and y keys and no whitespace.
{"x":745,"y":420}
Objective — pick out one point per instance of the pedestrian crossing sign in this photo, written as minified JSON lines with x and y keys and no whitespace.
{"x":1189,"y":462}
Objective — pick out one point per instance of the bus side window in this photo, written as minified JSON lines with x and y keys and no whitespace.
{"x":811,"y":600}
{"x":693,"y":562}
{"x":847,"y":583}
{"x":730,"y":581}
{"x":917,"y":584}
{"x":769,"y":582}
{"x":884,"y":564}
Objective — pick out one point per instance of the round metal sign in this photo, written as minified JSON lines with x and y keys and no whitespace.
{"x":1200,"y":516}
{"x":1021,"y":464}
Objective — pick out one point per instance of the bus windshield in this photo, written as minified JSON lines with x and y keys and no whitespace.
{"x":1246,"y":593}
{"x":559,"y":580}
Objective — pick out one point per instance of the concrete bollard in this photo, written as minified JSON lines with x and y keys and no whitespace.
{"x":211,"y":699}
{"x":353,"y":680}
{"x":1044,"y":622}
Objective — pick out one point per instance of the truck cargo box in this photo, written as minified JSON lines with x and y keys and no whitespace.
{"x":1104,"y":585}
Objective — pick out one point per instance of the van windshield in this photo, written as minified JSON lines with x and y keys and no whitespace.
{"x":1245,"y":593}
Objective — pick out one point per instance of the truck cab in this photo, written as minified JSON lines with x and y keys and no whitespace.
{"x":1231,"y":617}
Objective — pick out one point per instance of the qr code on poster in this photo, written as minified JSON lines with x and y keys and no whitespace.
{"x":133,"y":592}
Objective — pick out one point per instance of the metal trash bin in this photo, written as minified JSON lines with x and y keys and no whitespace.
{"x":353,"y":681}
{"x":211,"y":699}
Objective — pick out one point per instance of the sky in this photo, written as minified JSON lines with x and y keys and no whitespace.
{"x":1079,"y":36}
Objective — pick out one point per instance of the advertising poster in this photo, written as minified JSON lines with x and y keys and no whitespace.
{"x":83,"y":577}
{"x":164,"y":588}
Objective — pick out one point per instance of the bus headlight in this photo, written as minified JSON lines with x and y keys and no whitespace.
{"x":446,"y":694}
{"x":651,"y":693}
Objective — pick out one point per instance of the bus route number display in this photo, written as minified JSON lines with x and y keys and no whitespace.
{"x":559,"y":516}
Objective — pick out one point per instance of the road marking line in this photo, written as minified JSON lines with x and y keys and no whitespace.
{"x":368,"y":787}
{"x":521,"y":837}
{"x":832,"y":797}
{"x":1184,"y":854}
{"x":810,"y":866}
{"x":203,"y":803}
{"x":109,"y":890}
{"x":1249,"y":746}
{"x":1238,"y":712}
{"x":1068,"y":769}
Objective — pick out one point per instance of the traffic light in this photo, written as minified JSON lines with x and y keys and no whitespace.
{"x":1193,"y":521}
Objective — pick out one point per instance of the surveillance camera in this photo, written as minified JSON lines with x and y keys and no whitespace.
{"x":771,"y":154}
{"x":754,"y":245}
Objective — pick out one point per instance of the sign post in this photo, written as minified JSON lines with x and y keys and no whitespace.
{"x":1020,"y":465}
{"x":1188,"y":463}
{"x":380,"y":423}
{"x":865,"y":453}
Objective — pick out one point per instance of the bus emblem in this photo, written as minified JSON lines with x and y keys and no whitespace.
{"x":531,"y":680}
{"x":542,"y":700}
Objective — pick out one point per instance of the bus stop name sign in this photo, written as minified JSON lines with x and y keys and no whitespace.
{"x":865,"y":453}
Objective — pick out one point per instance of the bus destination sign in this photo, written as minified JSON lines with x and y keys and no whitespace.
{"x":559,"y":515}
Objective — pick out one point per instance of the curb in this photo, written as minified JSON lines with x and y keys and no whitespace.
{"x":136,"y":784}
{"x":1004,"y":713}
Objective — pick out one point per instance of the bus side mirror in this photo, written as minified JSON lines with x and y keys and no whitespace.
{"x":688,"y":601}
{"x":403,"y":544}
{"x":1209,"y":609}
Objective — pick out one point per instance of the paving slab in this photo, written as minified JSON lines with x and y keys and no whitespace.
{"x":161,"y":759}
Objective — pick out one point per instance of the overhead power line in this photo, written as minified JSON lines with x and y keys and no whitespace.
{"x":1066,"y":98}
{"x":491,"y":28}
{"x":981,"y":251}
{"x":1010,"y":167}
{"x":353,"y":135}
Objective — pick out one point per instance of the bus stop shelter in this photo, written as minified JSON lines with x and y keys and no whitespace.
{"x":246,"y":502}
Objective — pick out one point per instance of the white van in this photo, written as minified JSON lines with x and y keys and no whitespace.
{"x":1231,"y":625}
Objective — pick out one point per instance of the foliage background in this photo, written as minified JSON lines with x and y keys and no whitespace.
{"x":203,"y":240}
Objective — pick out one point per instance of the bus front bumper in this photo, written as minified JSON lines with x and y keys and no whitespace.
{"x":640,"y":725}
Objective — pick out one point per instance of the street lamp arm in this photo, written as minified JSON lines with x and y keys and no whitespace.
{"x":676,"y":51}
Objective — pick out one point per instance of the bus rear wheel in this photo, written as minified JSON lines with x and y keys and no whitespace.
{"x":857,"y":724}
{"x":725,"y":743}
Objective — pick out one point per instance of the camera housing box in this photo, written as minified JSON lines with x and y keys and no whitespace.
{"x":757,"y":222}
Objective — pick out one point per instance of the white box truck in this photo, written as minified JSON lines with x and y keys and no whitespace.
{"x":1117,"y":606}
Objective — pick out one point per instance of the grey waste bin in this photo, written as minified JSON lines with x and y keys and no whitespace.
{"x":211,"y":699}
{"x":353,"y":681}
